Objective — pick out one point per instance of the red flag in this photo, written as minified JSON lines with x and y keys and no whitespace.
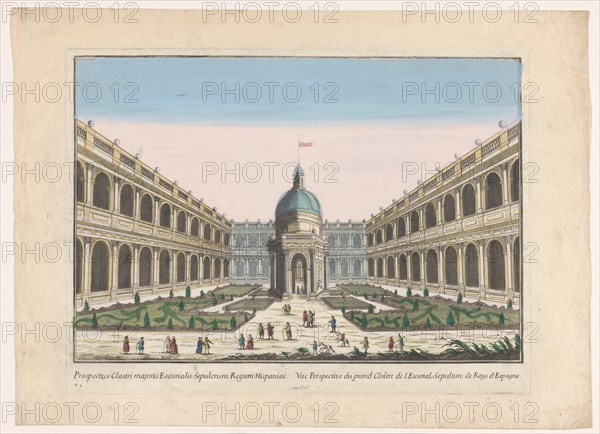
{"x":305,"y":144}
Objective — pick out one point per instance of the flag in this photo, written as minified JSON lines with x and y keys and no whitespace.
{"x":305,"y":144}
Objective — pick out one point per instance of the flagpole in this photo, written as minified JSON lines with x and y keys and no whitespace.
{"x":298,"y":145}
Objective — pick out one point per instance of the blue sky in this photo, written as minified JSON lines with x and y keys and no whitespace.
{"x":190,"y":90}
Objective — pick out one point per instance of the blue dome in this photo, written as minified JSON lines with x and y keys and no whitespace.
{"x":298,"y":199}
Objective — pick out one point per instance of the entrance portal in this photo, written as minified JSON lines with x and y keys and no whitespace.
{"x":299,"y":274}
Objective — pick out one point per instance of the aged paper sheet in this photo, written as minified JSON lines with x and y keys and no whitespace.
{"x":542,"y":381}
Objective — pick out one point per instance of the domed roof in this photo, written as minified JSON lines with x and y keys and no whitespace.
{"x":298,"y":199}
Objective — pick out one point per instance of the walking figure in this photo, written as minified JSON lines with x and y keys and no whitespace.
{"x":261,"y":331}
{"x":365,"y":344}
{"x":401,"y":342}
{"x":126,"y":344}
{"x":391,"y":344}
{"x":304,"y":318}
{"x":242,"y":341}
{"x":270,"y":330}
{"x":333,"y":323}
{"x":199,"y":346}
{"x":140,"y":346}
{"x":167,"y":344}
{"x":315,"y":346}
{"x":207,"y":343}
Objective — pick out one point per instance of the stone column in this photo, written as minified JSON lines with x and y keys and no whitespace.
{"x":508,"y":265}
{"x":156,"y":210}
{"x":89,"y":192}
{"x":324,"y":273}
{"x":458,"y":205}
{"x":409,"y":269}
{"x":423,"y":270}
{"x":188,"y":266}
{"x":505,"y":199}
{"x":136,"y":204}
{"x":421,"y":221}
{"x":115,"y":267}
{"x":439,"y":211}
{"x":85,"y":280}
{"x":460,"y":266}
{"x":116,"y":195}
{"x":481,"y":257}
{"x":136,"y":268}
{"x":478,"y":194}
{"x":313,"y":274}
{"x":272,"y":267}
{"x":441,"y":264}
{"x":286,"y":286}
{"x":396,"y":267}
{"x":174,"y":211}
{"x":154,"y":268}
{"x":173,"y":267}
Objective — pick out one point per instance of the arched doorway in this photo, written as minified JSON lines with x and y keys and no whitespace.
{"x":145,"y":267}
{"x":432,"y":266}
{"x":100,"y":267}
{"x":124,"y":270}
{"x":495,"y":263}
{"x":126,"y":200}
{"x":146,"y":209}
{"x":449,"y":208}
{"x":379,"y":267}
{"x":468,"y":200}
{"x":101,"y":197}
{"x":217,"y":267}
{"x":206,"y":268}
{"x":391,"y":269}
{"x":414,"y":222}
{"x":299,"y":274}
{"x":194,"y":268}
{"x":430,"y":217}
{"x":415,"y":266}
{"x":450,"y":265}
{"x":493,"y":191}
{"x":403,"y":268}
{"x":164,"y":267}
{"x":181,"y":268}
{"x":471,"y":266}
{"x":371,"y":267}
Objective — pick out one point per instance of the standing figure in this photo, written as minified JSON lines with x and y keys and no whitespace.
{"x":207,"y":343}
{"x":365,"y":344}
{"x":126,"y":344}
{"x":314,"y":347}
{"x":167,"y":344}
{"x":391,"y":344}
{"x":140,"y":346}
{"x":199,"y":346}
{"x":242,"y":341}
{"x":261,"y":331}
{"x":173,"y":346}
{"x":304,"y":318}
{"x":333,"y":323}
{"x":401,"y":342}
{"x":288,"y":331}
{"x":250,"y":343}
{"x":270,"y":330}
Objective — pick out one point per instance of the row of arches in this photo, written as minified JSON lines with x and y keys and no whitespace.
{"x":467,"y":196}
{"x":345,"y":267}
{"x":101,"y":198}
{"x":426,"y":266}
{"x":345,"y":241}
{"x":148,"y":270}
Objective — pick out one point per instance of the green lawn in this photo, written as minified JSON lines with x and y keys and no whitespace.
{"x":235,"y":290}
{"x":349,"y":303}
{"x":433,"y":313}
{"x":249,"y":304}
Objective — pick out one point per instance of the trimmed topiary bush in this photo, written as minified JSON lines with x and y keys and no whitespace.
{"x":459,"y":298}
{"x":202,"y":293}
{"x":188,"y":291}
{"x":191,"y":323}
{"x":450,"y":320}
{"x":409,"y":292}
{"x":181,"y":305}
{"x":425,"y":292}
{"x":501,"y":319}
{"x":371,"y":308}
{"x":171,"y":293}
{"x":86,"y":306}
{"x":232,"y":323}
{"x":146,"y":321}
{"x":170,"y":324}
{"x":94,"y":321}
{"x":427,"y":323}
{"x":405,"y":322}
{"x":136,"y":298}
{"x":509,"y":304}
{"x":343,"y":310}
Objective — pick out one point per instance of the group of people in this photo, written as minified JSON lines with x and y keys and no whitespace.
{"x":246,"y":345}
{"x":261,"y":331}
{"x":308,"y":318}
{"x":169,"y":345}
{"x":400,"y":343}
{"x":139,"y":346}
{"x":286,"y":309}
